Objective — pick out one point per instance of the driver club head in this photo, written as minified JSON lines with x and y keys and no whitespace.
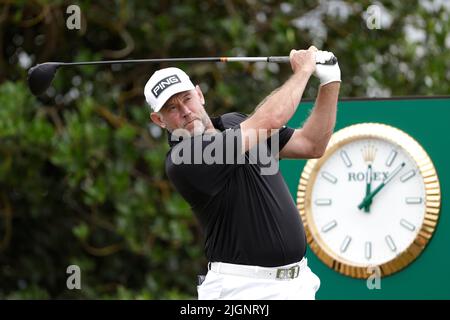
{"x":40,"y":77}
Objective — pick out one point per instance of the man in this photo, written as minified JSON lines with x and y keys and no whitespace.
{"x":254,"y":237}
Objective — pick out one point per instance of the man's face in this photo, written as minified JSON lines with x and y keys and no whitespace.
{"x":183,"y":110}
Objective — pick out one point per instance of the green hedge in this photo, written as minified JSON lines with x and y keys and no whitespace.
{"x":82,"y":186}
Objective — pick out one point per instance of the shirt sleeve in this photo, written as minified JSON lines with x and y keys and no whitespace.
{"x":284,"y":135}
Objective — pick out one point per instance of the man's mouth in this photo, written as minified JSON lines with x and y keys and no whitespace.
{"x":190,"y":122}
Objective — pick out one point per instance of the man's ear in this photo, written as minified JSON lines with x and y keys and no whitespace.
{"x":156,"y":117}
{"x":200,"y":94}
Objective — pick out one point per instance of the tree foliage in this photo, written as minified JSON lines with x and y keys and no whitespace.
{"x":81,"y":168}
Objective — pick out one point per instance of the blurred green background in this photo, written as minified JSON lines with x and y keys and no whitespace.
{"x":81,"y":168}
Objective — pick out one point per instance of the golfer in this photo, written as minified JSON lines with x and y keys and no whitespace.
{"x":254,"y":238}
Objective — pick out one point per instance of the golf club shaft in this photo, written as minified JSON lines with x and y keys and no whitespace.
{"x":203,"y":59}
{"x":275,"y":59}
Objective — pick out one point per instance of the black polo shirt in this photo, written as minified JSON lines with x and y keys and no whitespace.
{"x":247,"y":217}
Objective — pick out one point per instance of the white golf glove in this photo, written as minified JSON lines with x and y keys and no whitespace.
{"x":326,"y":73}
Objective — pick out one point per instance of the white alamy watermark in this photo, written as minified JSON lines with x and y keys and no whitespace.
{"x":374,"y":280}
{"x":226,"y":148}
{"x":377,"y":17}
{"x":74,"y":280}
{"x":73,"y":22}
{"x":373,"y":17}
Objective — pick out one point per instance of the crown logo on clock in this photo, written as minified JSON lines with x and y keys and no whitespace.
{"x":369,"y":152}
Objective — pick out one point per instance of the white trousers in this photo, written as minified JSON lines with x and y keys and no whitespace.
{"x":223,"y":286}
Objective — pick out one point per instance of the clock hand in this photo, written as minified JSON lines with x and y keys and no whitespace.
{"x":389,"y":178}
{"x":368,"y":186}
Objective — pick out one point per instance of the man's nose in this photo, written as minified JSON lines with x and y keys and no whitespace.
{"x":185,"y":111}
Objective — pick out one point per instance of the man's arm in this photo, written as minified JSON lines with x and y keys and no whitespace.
{"x":312,"y":139}
{"x":276,"y":110}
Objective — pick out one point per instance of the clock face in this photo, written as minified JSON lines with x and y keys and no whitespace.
{"x":376,"y":234}
{"x":365,"y":202}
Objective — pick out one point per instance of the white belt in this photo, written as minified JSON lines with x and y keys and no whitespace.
{"x":287,"y":272}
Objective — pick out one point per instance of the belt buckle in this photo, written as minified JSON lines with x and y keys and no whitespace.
{"x":288,"y":273}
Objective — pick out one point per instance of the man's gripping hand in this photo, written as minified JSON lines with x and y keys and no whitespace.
{"x":326,"y":73}
{"x":303,"y":60}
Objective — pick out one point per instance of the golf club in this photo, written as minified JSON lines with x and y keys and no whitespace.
{"x":41,"y":75}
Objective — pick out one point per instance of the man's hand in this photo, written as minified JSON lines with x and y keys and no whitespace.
{"x":326,"y":73}
{"x":303,"y":60}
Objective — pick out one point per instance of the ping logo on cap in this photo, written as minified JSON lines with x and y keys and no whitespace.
{"x":164,"y":84}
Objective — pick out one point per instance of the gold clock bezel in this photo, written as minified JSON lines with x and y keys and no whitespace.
{"x":432,"y":198}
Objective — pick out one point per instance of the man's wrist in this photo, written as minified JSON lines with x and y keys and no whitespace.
{"x":302,"y":74}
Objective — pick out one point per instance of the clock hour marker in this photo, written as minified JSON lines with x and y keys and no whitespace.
{"x":345,"y":243}
{"x":407,"y":176}
{"x":323,"y":202}
{"x":346,"y":159}
{"x":391,"y":158}
{"x":413,"y":200}
{"x":330,"y":225}
{"x":408,"y":225}
{"x":368,"y":250}
{"x":390,"y":243}
{"x":329,"y":177}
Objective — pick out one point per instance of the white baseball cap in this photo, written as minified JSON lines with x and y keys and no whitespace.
{"x":165,"y":83}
